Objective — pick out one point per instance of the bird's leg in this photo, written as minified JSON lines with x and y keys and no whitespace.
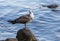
{"x":25,"y":25}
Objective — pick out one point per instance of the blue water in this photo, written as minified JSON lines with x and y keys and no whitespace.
{"x":45,"y":26}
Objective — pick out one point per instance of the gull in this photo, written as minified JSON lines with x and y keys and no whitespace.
{"x":24,"y":19}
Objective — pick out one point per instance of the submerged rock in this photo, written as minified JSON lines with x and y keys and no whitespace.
{"x":51,"y":6}
{"x":11,"y":39}
{"x":25,"y":34}
{"x":2,"y":40}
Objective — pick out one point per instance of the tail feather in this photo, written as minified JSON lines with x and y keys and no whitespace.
{"x":13,"y":22}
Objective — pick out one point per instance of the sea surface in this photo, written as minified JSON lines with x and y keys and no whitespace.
{"x":45,"y":25}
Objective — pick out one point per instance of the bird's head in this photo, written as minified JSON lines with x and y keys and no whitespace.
{"x":31,"y":13}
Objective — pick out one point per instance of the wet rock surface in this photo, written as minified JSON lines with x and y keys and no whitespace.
{"x":25,"y":35}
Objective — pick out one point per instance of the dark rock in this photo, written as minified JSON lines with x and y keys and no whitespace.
{"x":25,"y":35}
{"x":51,"y":6}
{"x":11,"y":39}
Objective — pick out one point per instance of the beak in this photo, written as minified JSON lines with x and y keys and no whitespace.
{"x":29,"y":12}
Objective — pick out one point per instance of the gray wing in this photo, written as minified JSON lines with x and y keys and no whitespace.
{"x":23,"y":19}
